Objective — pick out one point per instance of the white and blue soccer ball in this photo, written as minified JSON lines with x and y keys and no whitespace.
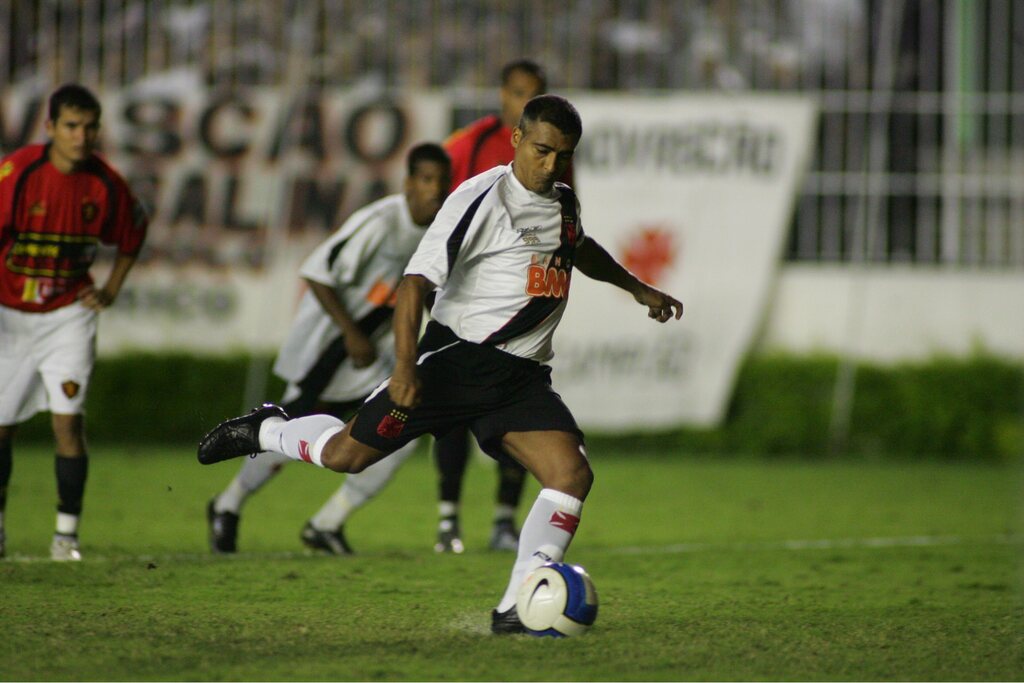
{"x":557,"y":599}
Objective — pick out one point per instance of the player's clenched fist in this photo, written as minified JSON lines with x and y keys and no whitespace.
{"x":404,"y":387}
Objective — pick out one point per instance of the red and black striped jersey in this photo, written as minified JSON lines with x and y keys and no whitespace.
{"x":51,"y":224}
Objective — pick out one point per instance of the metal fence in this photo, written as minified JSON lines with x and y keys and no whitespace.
{"x":920,"y":155}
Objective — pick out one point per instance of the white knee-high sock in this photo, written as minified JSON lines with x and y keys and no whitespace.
{"x":254,"y":473}
{"x":546,"y":534}
{"x":358,"y":489}
{"x":300,"y":439}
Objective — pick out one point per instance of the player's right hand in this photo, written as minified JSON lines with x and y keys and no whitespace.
{"x":360,"y":349}
{"x":404,"y":387}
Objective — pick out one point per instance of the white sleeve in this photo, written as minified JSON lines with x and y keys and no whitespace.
{"x":339,"y":259}
{"x":452,"y":233}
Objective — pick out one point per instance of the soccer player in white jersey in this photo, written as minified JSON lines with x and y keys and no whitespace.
{"x":340,"y":346}
{"x":501,"y":251}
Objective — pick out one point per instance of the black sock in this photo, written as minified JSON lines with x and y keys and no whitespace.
{"x":71,"y":475}
{"x":451,"y":454}
{"x":6,"y":465}
{"x":511,"y":480}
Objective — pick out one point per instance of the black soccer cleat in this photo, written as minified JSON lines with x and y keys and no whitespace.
{"x":332,"y":542}
{"x":507,"y":622}
{"x":223,"y":528}
{"x":238,"y":436}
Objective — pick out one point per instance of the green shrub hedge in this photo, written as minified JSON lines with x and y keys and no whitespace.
{"x":952,"y":408}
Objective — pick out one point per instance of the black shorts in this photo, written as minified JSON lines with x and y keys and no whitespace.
{"x":488,"y":390}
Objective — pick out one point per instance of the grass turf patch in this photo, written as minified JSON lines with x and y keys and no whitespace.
{"x":706,"y":569}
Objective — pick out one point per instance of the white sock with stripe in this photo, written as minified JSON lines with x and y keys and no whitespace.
{"x":300,"y":439}
{"x":546,"y":534}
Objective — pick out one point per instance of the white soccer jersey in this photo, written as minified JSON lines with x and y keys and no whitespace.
{"x":363,"y":261}
{"x":502,"y":259}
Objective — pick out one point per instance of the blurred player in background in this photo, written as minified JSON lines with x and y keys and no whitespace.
{"x":479,"y":147}
{"x":340,"y":346}
{"x":58,"y":202}
{"x":501,"y":252}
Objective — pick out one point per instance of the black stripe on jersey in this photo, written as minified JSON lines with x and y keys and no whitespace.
{"x":332,"y":256}
{"x":97,"y":169}
{"x":335,"y":251}
{"x":319,"y":376}
{"x":23,"y":178}
{"x":459,"y":233}
{"x":537,"y":310}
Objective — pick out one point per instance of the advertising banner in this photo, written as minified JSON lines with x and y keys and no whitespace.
{"x":694,"y":194}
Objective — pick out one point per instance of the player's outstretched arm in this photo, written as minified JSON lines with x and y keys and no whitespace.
{"x":595,"y":262}
{"x":404,"y":386}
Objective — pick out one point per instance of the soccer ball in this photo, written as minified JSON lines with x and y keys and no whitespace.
{"x":557,"y":599}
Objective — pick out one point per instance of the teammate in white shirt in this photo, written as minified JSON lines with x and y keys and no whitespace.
{"x":340,"y":346}
{"x":501,"y":250}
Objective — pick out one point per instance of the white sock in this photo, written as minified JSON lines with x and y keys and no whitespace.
{"x":254,"y":473}
{"x":300,"y":439}
{"x":359,"y":488}
{"x":546,"y":534}
{"x":447,"y":508}
{"x":67,"y":525}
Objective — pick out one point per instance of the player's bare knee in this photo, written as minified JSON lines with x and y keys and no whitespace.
{"x":583,"y":479}
{"x":334,"y":455}
{"x":575,"y":479}
{"x":344,"y":454}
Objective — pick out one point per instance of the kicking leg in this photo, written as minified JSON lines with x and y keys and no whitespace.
{"x":321,"y":440}
{"x":559,"y":463}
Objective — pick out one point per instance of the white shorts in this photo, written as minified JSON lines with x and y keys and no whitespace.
{"x":45,"y":361}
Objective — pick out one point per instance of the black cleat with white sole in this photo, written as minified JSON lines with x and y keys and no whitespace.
{"x":238,"y":436}
{"x":223,"y":528}
{"x":507,"y":622}
{"x":332,"y":542}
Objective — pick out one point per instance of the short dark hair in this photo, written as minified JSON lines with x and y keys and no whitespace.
{"x":555,"y":110}
{"x":426,"y":151}
{"x":74,"y":96}
{"x":527,"y":66}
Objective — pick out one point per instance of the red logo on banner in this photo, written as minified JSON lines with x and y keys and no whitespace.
{"x":304,"y":451}
{"x":564,"y":521}
{"x":650,"y":254}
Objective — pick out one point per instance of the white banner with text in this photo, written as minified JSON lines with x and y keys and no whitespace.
{"x":694,"y":194}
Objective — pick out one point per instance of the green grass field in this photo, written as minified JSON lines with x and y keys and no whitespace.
{"x":706,"y":569}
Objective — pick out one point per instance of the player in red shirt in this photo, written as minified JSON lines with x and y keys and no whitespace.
{"x":58,"y":202}
{"x":480,"y":146}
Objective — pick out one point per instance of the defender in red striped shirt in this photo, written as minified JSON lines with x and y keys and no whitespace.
{"x":58,"y":203}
